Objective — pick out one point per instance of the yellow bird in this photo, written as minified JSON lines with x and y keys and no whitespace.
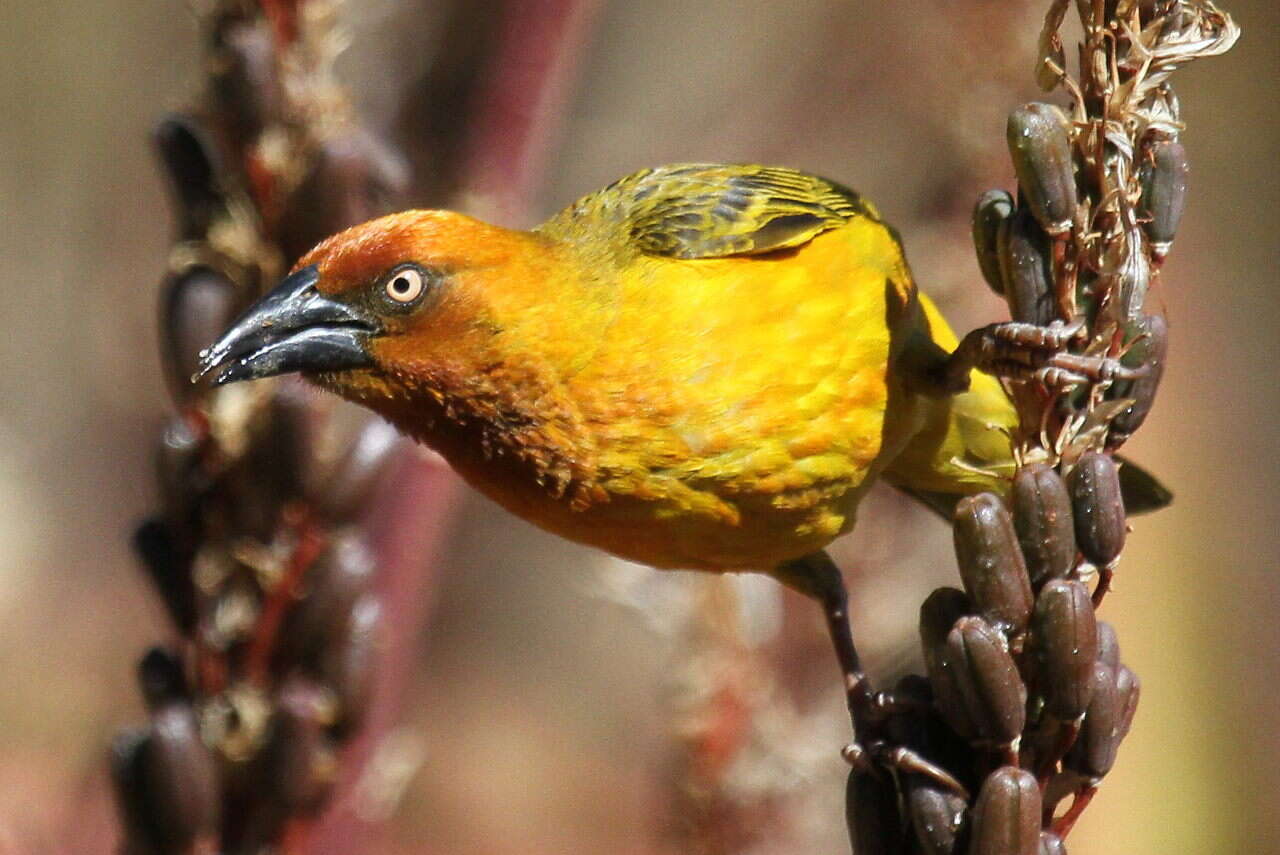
{"x":700,"y":366}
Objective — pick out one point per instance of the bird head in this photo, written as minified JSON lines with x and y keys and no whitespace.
{"x":387,"y":308}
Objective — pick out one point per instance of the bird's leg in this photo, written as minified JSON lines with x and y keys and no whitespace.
{"x":1020,"y":351}
{"x":817,"y":576}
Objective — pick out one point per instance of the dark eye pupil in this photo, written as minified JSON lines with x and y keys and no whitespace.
{"x":401,"y":285}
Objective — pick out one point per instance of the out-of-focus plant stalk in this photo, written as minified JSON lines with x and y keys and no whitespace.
{"x":294,"y":547}
{"x":1027,"y":699}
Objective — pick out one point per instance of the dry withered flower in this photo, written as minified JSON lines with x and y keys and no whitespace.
{"x":168,"y":562}
{"x":347,"y":664}
{"x":342,"y":490}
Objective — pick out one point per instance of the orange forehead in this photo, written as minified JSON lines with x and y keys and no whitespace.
{"x":441,"y":239}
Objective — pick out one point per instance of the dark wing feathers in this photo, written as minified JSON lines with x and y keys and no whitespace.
{"x":701,"y":210}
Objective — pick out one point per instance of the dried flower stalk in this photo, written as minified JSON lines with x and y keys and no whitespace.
{"x":265,"y":552}
{"x":258,"y":551}
{"x":1027,"y":700}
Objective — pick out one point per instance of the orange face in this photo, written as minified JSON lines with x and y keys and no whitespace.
{"x":405,"y":303}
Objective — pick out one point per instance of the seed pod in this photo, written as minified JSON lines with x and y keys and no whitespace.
{"x":1050,"y":47}
{"x":1150,"y":337}
{"x":871,"y":811}
{"x":282,"y":443}
{"x":191,"y":163}
{"x":1094,"y":751}
{"x":168,"y":564}
{"x":269,"y":474}
{"x":347,"y":666}
{"x":1094,"y":484}
{"x":1130,"y":689}
{"x":299,"y":764}
{"x":1006,"y":818}
{"x":1040,"y":146}
{"x":1108,"y":645}
{"x":126,"y":783}
{"x":196,"y":305}
{"x":1149,"y":10}
{"x":333,"y":584}
{"x":991,"y":563}
{"x":977,"y":656}
{"x":1051,"y":844}
{"x":342,"y":492}
{"x":938,"y":815}
{"x":1026,"y":269}
{"x":1042,"y":518}
{"x":1163,"y":175}
{"x":991,"y":210}
{"x":938,"y":614}
{"x":161,"y":677}
{"x":1067,"y":641}
{"x":179,"y":778}
{"x":183,"y":483}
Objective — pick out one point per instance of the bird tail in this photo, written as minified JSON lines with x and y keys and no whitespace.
{"x":1142,"y":493}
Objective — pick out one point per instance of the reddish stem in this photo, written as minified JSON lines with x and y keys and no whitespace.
{"x":411,"y":517}
{"x":309,"y":542}
{"x":1062,"y":825}
{"x":521,"y":99}
{"x":283,"y":15}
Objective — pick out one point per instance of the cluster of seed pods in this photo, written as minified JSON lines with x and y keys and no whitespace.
{"x":1026,"y":701}
{"x":257,"y":551}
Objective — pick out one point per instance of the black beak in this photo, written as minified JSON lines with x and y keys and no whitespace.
{"x":292,"y":328}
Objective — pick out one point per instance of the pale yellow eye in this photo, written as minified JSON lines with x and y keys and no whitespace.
{"x":405,"y":285}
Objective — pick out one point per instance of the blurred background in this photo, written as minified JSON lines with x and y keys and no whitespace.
{"x":547,"y":678}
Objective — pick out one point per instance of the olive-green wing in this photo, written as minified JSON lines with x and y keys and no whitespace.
{"x":708,"y":210}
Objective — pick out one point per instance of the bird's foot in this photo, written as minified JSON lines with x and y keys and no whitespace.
{"x":903,"y":761}
{"x":1020,"y":351}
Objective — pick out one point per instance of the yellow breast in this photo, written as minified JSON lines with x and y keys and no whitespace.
{"x":739,"y":407}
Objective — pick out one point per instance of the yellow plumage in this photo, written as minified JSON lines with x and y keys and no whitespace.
{"x":699,"y":366}
{"x":749,"y":374}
